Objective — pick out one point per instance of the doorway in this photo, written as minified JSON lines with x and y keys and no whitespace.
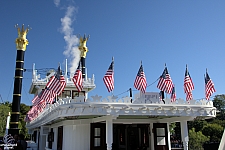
{"x":125,"y":136}
{"x":98,"y":136}
{"x":160,"y":136}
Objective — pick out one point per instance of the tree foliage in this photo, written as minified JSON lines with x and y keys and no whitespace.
{"x":5,"y":108}
{"x":4,"y":111}
{"x":23,"y":111}
{"x":214,"y":131}
{"x":196,"y":140}
{"x":172,"y":126}
{"x":219,"y":122}
{"x":219,"y":103}
{"x":197,"y":124}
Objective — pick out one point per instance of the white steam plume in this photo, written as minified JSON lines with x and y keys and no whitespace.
{"x":56,"y":2}
{"x":71,"y":40}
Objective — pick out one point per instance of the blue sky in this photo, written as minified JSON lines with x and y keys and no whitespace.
{"x":154,"y":32}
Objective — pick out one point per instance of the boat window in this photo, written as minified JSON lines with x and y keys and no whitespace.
{"x":77,"y":94}
{"x":65,"y":94}
{"x":97,"y":138}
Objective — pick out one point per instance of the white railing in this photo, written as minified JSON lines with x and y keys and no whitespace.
{"x":124,"y":106}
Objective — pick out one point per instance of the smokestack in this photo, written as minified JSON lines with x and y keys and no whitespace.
{"x":83,"y":49}
{"x":21,"y":43}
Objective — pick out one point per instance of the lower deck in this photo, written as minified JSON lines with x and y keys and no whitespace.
{"x":96,"y":136}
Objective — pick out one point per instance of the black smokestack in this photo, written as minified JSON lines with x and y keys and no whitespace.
{"x":21,"y":43}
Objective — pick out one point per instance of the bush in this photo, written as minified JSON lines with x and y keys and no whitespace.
{"x":214,"y":131}
{"x":196,"y":140}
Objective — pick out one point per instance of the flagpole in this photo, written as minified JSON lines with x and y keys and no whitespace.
{"x":163,"y":91}
{"x":205,"y":84}
{"x":140,"y":91}
{"x":113,"y":73}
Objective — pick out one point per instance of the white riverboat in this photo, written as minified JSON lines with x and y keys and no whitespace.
{"x":78,"y":122}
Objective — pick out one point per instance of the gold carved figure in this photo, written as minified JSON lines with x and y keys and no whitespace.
{"x":21,"y":40}
{"x":82,"y":47}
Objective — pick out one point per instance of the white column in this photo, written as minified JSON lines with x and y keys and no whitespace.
{"x":37,"y":137}
{"x":42,"y":142}
{"x":168,"y":134}
{"x":152,"y":136}
{"x":109,"y":133}
{"x":184,"y":134}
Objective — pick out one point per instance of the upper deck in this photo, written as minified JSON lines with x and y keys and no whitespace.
{"x":39,"y":83}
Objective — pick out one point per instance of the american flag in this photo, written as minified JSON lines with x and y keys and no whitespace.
{"x":173,"y":95}
{"x":57,"y":83}
{"x":189,"y":96}
{"x":165,"y":82}
{"x":41,"y":105}
{"x":35,"y":100}
{"x":54,"y":87}
{"x":63,"y":82}
{"x":109,"y":78}
{"x":32,"y":113}
{"x":29,"y":115}
{"x":209,"y":87}
{"x":77,"y":80}
{"x":188,"y":84}
{"x":48,"y":95}
{"x":140,"y":82}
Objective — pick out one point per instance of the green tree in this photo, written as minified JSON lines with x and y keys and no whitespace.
{"x":214,"y":131}
{"x":219,"y":122}
{"x":4,"y":111}
{"x":22,"y":124}
{"x":172,"y":126}
{"x":219,"y":103}
{"x":196,"y":140}
{"x":5,"y":108}
{"x":197,"y":124}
